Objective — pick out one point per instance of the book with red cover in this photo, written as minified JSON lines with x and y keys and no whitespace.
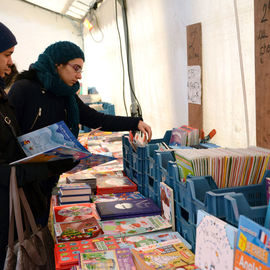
{"x":75,"y":231}
{"x":74,"y":212}
{"x":67,"y":254}
{"x":127,"y":209}
{"x":107,"y":184}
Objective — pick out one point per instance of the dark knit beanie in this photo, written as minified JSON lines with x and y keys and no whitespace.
{"x":63,"y":51}
{"x":7,"y":39}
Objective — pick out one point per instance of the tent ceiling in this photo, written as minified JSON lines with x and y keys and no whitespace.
{"x":76,"y":9}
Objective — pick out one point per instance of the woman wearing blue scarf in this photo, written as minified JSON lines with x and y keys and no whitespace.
{"x":46,"y":94}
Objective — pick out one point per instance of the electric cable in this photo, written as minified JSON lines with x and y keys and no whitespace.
{"x":96,"y":20}
{"x":242,"y":70}
{"x":121,"y":56}
{"x":128,"y":55}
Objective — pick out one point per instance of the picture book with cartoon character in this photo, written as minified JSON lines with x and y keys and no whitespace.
{"x":133,"y":226}
{"x":168,"y":255}
{"x":167,"y":204}
{"x":55,"y":142}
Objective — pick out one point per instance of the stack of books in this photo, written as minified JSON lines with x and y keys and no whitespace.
{"x":184,"y":136}
{"x":74,"y":193}
{"x":84,"y":176}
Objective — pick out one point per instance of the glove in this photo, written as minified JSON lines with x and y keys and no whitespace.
{"x":60,"y":166}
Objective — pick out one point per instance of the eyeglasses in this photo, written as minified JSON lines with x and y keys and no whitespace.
{"x":77,"y":68}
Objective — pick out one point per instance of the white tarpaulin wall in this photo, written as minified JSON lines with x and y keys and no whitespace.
{"x":157,"y":31}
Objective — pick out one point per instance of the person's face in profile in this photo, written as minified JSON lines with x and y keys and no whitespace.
{"x":6,"y":61}
{"x":71,"y":72}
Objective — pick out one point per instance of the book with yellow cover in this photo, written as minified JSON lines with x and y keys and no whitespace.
{"x":171,"y":254}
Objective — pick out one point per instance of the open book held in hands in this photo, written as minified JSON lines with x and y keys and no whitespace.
{"x":52,"y":143}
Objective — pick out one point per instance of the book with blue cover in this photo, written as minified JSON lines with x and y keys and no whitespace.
{"x":127,"y":209}
{"x":252,"y":247}
{"x":55,"y":142}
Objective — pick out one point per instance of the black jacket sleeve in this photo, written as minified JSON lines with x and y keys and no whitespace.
{"x":94,"y":119}
{"x":26,"y":173}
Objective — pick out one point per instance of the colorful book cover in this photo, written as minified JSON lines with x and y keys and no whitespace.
{"x":51,"y":143}
{"x":167,"y":204}
{"x":134,"y":226}
{"x":118,"y":259}
{"x":171,"y":254}
{"x":67,"y":253}
{"x":117,"y":197}
{"x":114,"y":184}
{"x":75,"y":212}
{"x":252,"y":246}
{"x":75,"y":231}
{"x":55,"y":142}
{"x":267,"y":181}
{"x":126,"y":209}
{"x":185,"y":166}
{"x":178,"y":137}
{"x":147,"y":239}
{"x":215,"y":242}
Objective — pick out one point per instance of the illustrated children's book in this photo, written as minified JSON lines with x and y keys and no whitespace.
{"x":252,"y":246}
{"x":147,"y":239}
{"x":215,"y":243}
{"x":118,"y":259}
{"x":75,"y":231}
{"x":125,"y":209}
{"x":133,"y":226}
{"x":51,"y":143}
{"x":75,"y":212}
{"x":67,"y":254}
{"x":117,"y":197}
{"x":171,"y":254}
{"x":114,"y":184}
{"x":55,"y":142}
{"x":167,"y":204}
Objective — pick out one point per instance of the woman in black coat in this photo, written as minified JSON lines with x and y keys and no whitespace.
{"x":28,"y":175}
{"x":46,"y":94}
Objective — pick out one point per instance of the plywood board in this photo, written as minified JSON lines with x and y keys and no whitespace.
{"x":194,"y":58}
{"x":262,"y":71}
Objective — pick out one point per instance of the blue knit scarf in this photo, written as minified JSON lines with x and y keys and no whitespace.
{"x":47,"y":74}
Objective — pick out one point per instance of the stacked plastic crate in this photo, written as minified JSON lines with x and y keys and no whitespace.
{"x":227,"y":203}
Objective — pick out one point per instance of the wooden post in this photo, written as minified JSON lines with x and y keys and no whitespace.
{"x":262,"y":71}
{"x":194,"y":58}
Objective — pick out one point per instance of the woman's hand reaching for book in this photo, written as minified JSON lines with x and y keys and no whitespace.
{"x":145,"y":129}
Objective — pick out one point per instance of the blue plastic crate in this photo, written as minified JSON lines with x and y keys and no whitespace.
{"x":236,"y":204}
{"x":107,"y":108}
{"x":161,"y":162}
{"x":185,"y":228}
{"x":142,"y":160}
{"x":202,"y":193}
{"x":155,"y":197}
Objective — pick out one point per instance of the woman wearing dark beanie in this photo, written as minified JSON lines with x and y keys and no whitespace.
{"x":28,"y":175}
{"x":46,"y":94}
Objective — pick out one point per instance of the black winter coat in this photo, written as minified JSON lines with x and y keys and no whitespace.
{"x":36,"y":108}
{"x":28,"y":175}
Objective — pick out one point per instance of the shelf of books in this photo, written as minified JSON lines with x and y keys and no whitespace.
{"x":163,"y":206}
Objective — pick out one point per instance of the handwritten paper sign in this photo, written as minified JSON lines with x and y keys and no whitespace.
{"x":194,"y":85}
